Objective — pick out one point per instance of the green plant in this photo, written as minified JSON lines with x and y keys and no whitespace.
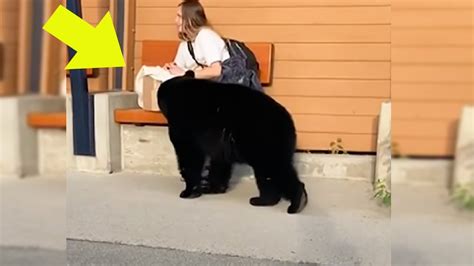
{"x":382,"y":193}
{"x":463,"y":196}
{"x":337,"y":148}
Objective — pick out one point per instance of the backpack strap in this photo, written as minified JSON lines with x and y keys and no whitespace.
{"x":191,"y":51}
{"x":227,"y":45}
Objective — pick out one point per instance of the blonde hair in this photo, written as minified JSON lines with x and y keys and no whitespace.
{"x":194,"y":17}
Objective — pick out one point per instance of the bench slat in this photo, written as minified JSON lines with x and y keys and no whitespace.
{"x":46,"y":120}
{"x":158,"y":53}
{"x":139,"y":116}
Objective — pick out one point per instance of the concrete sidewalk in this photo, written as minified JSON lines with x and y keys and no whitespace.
{"x":33,"y":220}
{"x":33,"y":212}
{"x":98,"y":253}
{"x":16,"y":256}
{"x":341,"y":223}
{"x":427,"y":229}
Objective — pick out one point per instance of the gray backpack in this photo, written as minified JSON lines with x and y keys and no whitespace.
{"x":240,"y":68}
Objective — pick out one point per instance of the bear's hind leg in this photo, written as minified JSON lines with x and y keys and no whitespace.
{"x":219,"y":175}
{"x":293,"y":189}
{"x":269,"y":193}
{"x":190,"y":163}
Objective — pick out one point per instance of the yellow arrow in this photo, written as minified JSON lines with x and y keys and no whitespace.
{"x":96,"y":47}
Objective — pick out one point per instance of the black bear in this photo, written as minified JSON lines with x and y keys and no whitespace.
{"x":231,"y":123}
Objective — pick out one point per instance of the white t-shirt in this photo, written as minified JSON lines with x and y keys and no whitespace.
{"x":208,"y":48}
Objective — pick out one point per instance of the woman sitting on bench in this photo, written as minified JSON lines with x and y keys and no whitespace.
{"x":201,"y":50}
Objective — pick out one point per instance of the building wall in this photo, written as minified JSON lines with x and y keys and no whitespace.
{"x":335,"y":61}
{"x":16,"y":46}
{"x":432,"y":54}
{"x":331,"y":61}
{"x":9,"y":11}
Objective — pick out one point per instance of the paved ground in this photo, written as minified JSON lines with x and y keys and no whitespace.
{"x":428,"y":230}
{"x":33,"y":212}
{"x":94,"y":253}
{"x":32,"y":221}
{"x":16,"y":256}
{"x":340,"y":225}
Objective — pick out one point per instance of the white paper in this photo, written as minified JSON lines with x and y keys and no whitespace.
{"x":157,"y":73}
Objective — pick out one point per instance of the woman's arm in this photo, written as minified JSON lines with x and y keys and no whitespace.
{"x":213,"y":71}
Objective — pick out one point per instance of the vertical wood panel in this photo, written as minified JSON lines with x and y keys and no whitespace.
{"x":24,"y":44}
{"x":52,"y":66}
{"x":129,"y":45}
{"x":111,"y":71}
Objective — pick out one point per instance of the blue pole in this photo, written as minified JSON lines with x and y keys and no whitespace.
{"x":82,"y":101}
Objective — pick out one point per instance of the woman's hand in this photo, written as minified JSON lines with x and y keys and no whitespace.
{"x":168,"y":65}
{"x":176,"y":70}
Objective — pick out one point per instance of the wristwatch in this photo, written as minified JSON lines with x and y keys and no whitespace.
{"x":189,"y":73}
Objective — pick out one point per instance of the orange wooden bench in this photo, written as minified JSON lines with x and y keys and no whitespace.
{"x":46,"y":120}
{"x":54,"y":119}
{"x":161,"y":52}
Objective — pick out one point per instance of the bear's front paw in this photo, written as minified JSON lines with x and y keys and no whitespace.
{"x":260,"y":201}
{"x":190,"y":194}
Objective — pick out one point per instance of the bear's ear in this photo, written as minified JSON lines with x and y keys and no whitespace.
{"x":189,"y":74}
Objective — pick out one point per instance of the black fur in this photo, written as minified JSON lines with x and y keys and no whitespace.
{"x":231,"y":123}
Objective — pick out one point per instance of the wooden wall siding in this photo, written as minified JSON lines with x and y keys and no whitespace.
{"x":128,"y":76}
{"x":9,"y":11}
{"x":24,"y":52}
{"x":111,"y":71}
{"x":432,"y":55}
{"x":53,"y":55}
{"x":331,"y":64}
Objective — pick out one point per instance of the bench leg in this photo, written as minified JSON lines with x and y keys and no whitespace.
{"x":18,"y":141}
{"x":108,"y":157}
